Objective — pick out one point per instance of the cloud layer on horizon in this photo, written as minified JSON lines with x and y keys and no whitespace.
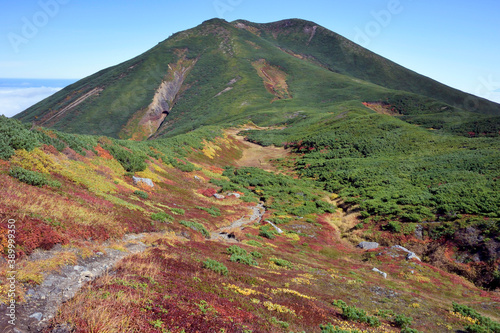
{"x":15,"y":100}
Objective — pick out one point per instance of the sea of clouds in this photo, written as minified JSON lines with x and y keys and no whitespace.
{"x":15,"y":100}
{"x":17,"y":95}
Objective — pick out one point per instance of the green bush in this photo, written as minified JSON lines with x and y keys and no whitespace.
{"x":355,"y":314}
{"x":402,"y":321}
{"x":252,"y":242}
{"x":393,"y":226}
{"x":235,"y":249}
{"x":182,"y":165}
{"x":256,"y":254}
{"x":214,"y":211}
{"x":409,"y":330}
{"x":196,"y":226}
{"x":282,"y":262}
{"x":15,"y":135}
{"x":141,"y":194}
{"x":215,"y":266}
{"x":131,"y":161}
{"x":161,"y":217}
{"x":484,"y":324}
{"x":178,"y":211}
{"x":6,"y":151}
{"x":243,"y":259}
{"x":32,"y":177}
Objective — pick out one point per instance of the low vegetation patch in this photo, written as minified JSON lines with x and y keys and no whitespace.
{"x":196,"y":226}
{"x":215,"y":266}
{"x":354,"y":314}
{"x":32,"y":177}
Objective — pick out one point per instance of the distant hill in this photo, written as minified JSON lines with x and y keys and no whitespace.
{"x":226,"y":73}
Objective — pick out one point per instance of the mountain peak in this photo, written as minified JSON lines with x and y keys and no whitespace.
{"x":183,"y":82}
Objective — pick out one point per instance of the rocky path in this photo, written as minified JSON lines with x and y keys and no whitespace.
{"x":43,"y":301}
{"x":226,"y":233}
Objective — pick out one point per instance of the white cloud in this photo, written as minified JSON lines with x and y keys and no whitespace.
{"x":15,"y":100}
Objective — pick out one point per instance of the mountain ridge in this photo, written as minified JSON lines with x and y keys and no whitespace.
{"x":223,"y":51}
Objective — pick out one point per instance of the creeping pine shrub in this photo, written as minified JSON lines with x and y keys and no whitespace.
{"x":253,"y":243}
{"x":329,"y":328}
{"x":15,"y":135}
{"x":141,"y":194}
{"x":32,"y":177}
{"x":409,"y":330}
{"x":182,"y":165}
{"x":402,"y":321}
{"x":215,"y":266}
{"x":196,"y":226}
{"x":214,"y":211}
{"x":355,"y":314}
{"x":235,"y":249}
{"x":281,"y":323}
{"x":161,"y":217}
{"x":131,"y":161}
{"x":483,"y":324}
{"x":241,"y":255}
{"x":256,"y":254}
{"x":178,"y":211}
{"x":393,"y":226}
{"x":282,"y":262}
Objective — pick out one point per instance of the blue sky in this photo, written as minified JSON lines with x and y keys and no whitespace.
{"x":455,"y":42}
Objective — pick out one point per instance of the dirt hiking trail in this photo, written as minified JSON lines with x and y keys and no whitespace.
{"x":255,"y":155}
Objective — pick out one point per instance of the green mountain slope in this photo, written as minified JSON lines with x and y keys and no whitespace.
{"x":340,"y":55}
{"x":227,"y":73}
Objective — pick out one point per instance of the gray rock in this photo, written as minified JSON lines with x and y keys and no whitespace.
{"x":368,"y":245}
{"x":86,"y":276}
{"x":197,"y":178}
{"x":380,"y":272}
{"x":78,"y":268}
{"x":37,"y":315}
{"x":219,"y":196}
{"x":236,"y":195}
{"x":146,"y":181}
{"x":410,"y":255}
{"x":64,"y":328}
{"x":419,"y":232}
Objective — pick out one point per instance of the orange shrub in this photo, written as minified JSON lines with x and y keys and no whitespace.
{"x":103,"y":153}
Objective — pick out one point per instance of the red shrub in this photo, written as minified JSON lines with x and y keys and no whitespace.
{"x":208,"y":192}
{"x":50,"y":149}
{"x":33,"y":233}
